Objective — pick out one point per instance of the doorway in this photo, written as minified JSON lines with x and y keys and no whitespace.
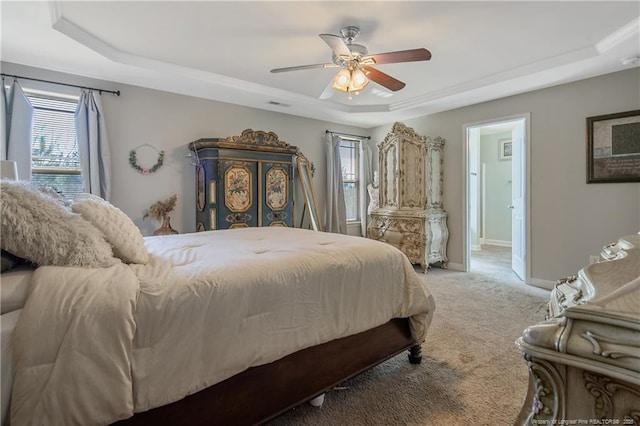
{"x":496,"y":179}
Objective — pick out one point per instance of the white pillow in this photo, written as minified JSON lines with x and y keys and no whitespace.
{"x":117,"y":227}
{"x":38,"y":228}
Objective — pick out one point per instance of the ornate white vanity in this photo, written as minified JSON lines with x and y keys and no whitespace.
{"x":584,"y":360}
{"x":409,"y":214}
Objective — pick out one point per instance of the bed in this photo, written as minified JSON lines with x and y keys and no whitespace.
{"x":233,"y":326}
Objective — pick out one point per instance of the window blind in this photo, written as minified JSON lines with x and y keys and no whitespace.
{"x":55,"y":159}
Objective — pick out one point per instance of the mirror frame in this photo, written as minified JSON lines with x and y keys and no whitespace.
{"x":306,"y":181}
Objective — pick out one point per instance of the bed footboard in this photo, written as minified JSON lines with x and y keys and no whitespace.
{"x":264,"y":392}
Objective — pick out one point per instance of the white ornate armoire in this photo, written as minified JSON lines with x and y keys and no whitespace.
{"x":410,"y":214}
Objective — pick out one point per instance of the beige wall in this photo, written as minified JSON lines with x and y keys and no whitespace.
{"x":169,"y":122}
{"x":570,"y":220}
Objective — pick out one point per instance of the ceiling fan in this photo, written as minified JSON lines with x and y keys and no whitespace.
{"x":356,"y":64}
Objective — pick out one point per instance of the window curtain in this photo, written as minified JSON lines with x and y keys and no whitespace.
{"x":336,"y":211}
{"x":17,"y":133}
{"x":93,"y":145}
{"x":367,"y":178}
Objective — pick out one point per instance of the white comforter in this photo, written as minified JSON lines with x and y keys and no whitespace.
{"x":96,"y":345}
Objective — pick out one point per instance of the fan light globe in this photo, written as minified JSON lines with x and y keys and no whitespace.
{"x":358,"y":80}
{"x":341,"y":80}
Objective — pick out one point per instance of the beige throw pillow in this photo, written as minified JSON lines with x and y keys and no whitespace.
{"x":38,"y":228}
{"x":118,"y":228}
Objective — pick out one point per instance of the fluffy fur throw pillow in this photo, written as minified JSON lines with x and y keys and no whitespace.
{"x":120,"y":231}
{"x":38,"y":228}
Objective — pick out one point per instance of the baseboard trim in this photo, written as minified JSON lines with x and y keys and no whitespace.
{"x":455,"y":266}
{"x":535,"y":282}
{"x":545,"y":284}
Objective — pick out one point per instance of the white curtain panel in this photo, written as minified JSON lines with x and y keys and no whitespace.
{"x":367,"y":178}
{"x":93,"y":145}
{"x":336,"y":211}
{"x":18,"y":128}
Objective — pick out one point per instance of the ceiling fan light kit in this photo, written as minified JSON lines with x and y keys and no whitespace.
{"x":350,"y":80}
{"x":356,"y":65}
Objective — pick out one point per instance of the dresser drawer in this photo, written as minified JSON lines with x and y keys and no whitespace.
{"x":405,"y":233}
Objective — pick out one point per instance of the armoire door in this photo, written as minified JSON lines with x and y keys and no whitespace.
{"x":238,"y":188}
{"x":389,"y":173}
{"x":276,"y":204}
{"x":412,"y":173}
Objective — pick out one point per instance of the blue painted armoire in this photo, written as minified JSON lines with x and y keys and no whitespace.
{"x":244,"y":181}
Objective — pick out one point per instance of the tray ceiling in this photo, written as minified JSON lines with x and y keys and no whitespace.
{"x":225,"y":50}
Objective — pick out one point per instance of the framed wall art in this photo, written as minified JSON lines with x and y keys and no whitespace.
{"x":505,"y":149}
{"x":613,"y":147}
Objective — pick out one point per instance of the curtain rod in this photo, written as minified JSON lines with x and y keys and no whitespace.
{"x":347,"y":134}
{"x":115,"y":92}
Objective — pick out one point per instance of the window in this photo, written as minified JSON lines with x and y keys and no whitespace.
{"x":55,"y":160}
{"x":350,"y":161}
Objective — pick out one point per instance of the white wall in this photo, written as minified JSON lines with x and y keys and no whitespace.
{"x":497,"y":189}
{"x":169,"y":122}
{"x":570,"y":219}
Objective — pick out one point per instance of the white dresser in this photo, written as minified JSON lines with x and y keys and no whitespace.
{"x":409,"y":214}
{"x":584,"y":359}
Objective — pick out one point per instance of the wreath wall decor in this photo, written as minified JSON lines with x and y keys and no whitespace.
{"x":133,"y":160}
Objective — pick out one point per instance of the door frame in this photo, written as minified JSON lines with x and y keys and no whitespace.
{"x":526,"y":172}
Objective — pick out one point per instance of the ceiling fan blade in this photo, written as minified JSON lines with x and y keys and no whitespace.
{"x":303,"y":67}
{"x":337,"y":44}
{"x":402,"y":56}
{"x":383,"y":79}
{"x":328,"y":91}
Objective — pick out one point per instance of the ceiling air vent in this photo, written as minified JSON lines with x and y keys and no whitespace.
{"x":276,"y":103}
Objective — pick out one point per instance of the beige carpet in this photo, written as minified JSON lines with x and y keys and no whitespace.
{"x":471,"y":372}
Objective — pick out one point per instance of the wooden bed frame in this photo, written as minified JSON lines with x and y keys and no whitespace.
{"x":262,"y":393}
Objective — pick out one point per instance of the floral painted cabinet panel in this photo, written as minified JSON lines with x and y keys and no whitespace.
{"x":277,"y":209}
{"x":243,"y":181}
{"x":238,"y":187}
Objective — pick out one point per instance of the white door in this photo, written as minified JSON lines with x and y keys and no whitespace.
{"x":473,"y":185}
{"x":518,"y":188}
